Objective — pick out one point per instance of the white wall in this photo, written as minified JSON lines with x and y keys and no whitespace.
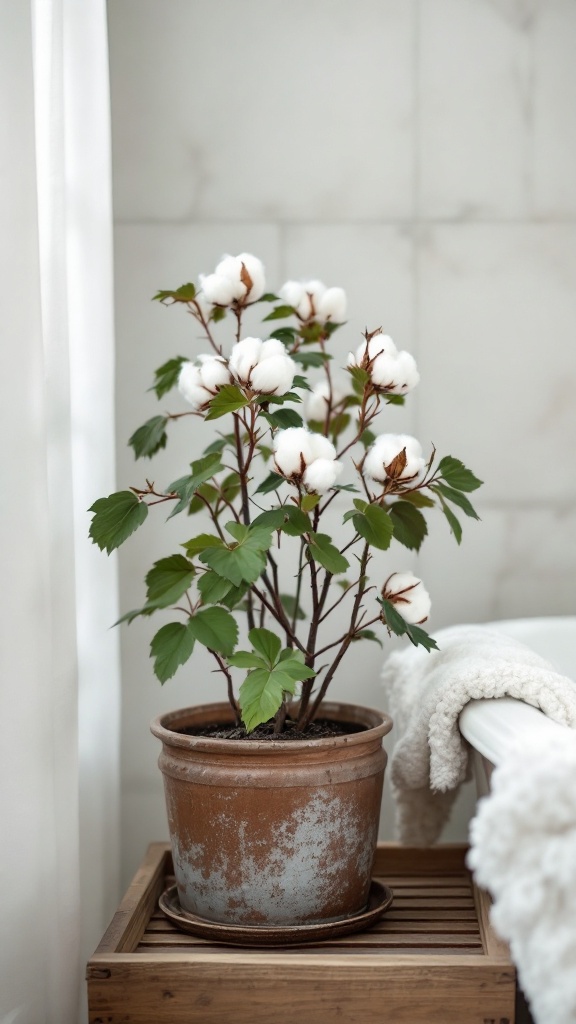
{"x":423,"y":156}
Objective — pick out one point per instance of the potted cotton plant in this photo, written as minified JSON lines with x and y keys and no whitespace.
{"x":273,"y":796}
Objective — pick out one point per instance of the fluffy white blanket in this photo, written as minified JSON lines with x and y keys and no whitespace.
{"x":523,"y":850}
{"x":427,"y":693}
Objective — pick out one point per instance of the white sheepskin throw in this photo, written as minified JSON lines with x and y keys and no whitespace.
{"x":523,"y":850}
{"x":427,"y":693}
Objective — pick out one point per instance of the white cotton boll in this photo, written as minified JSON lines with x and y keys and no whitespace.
{"x":370,"y":350}
{"x":272,"y":347}
{"x":290,"y":447}
{"x":322,"y":474}
{"x":384,"y":370}
{"x":292,"y":293}
{"x":190,"y":386}
{"x":317,"y":399}
{"x":255,"y":268}
{"x":308,"y":305}
{"x":321,"y":447}
{"x":214,"y":372}
{"x":410,"y":596}
{"x":230,"y":268}
{"x":217,"y":290}
{"x":274,"y":375}
{"x":244,"y":356}
{"x":332,"y":306}
{"x":385,"y":449}
{"x":406,"y":373}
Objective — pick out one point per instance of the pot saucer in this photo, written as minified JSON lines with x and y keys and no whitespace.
{"x":379,"y":901}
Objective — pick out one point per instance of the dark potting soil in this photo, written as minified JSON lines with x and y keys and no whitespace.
{"x":320,"y":729}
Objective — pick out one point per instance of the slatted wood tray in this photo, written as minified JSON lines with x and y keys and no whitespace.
{"x":432,"y":959}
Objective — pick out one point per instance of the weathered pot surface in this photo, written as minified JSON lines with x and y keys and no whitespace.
{"x":273,"y":832}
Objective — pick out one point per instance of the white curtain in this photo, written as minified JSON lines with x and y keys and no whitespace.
{"x":59,"y":677}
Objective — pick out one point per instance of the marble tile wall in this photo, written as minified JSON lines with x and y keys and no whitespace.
{"x":421,"y":153}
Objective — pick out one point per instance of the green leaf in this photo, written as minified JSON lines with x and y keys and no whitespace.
{"x":311,"y":333}
{"x":166,"y":376}
{"x":130,"y":616}
{"x":271,"y":483}
{"x":149,"y":438}
{"x":285,"y":335}
{"x":242,"y":562}
{"x":367,"y":438}
{"x":266,"y":643}
{"x":296,"y":522}
{"x":230,"y":487}
{"x":419,"y":500}
{"x":198,"y":544}
{"x":284,"y":418}
{"x":397,"y":624}
{"x":185,"y":293}
{"x":213,"y":587}
{"x":268,"y":297}
{"x":375,"y":525}
{"x":395,"y":399}
{"x":409,"y":524}
{"x":452,"y":520}
{"x":217,"y":314}
{"x":345,"y":487}
{"x":310,"y":360}
{"x":168,"y":579}
{"x":324,"y":552}
{"x":202,"y":470}
{"x":219,"y":444}
{"x":288,"y":518}
{"x":279,"y":313}
{"x":368,"y":634}
{"x":228,"y":399}
{"x":115,"y":518}
{"x":246,"y":659}
{"x":204,"y":494}
{"x":234,"y":596}
{"x":339,"y":423}
{"x":457,"y":498}
{"x":301,"y":382}
{"x":272,"y":520}
{"x":289,"y":606}
{"x":456,"y":475}
{"x":294,"y":666}
{"x":360,"y":378}
{"x":171,"y":647}
{"x":261,"y":695}
{"x":216,"y":629}
{"x":309,"y":501}
{"x":267,"y":400}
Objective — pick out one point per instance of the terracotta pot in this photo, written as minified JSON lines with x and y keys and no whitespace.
{"x":273,"y":832}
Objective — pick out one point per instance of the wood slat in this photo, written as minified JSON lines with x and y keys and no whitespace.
{"x":431,"y":959}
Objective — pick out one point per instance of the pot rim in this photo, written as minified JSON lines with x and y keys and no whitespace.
{"x":353,"y":713}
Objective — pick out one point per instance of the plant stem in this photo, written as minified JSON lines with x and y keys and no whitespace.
{"x":233,"y":702}
{"x":308,"y":712}
{"x":245,"y":503}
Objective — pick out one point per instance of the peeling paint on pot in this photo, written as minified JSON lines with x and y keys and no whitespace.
{"x":259,"y":837}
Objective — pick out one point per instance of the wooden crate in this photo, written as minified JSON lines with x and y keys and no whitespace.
{"x":432,"y":959}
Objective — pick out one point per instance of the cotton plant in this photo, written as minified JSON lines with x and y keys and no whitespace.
{"x":287,"y":426}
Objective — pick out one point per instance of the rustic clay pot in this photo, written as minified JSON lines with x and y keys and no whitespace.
{"x":273,"y":832}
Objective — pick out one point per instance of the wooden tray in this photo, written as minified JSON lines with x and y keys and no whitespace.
{"x":432,"y":959}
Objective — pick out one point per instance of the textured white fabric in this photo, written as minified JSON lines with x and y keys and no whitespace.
{"x":59,"y":678}
{"x":523,"y":850}
{"x":427,"y":693}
